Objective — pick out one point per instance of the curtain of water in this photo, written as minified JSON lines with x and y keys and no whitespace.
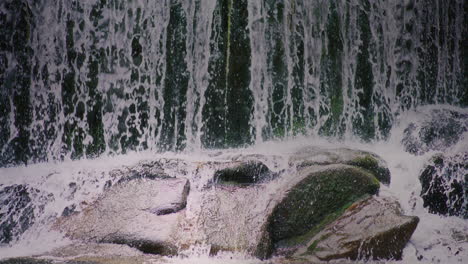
{"x":83,"y":78}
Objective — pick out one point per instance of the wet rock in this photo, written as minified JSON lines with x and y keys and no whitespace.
{"x":141,"y":213}
{"x":254,"y":219}
{"x":28,"y":261}
{"x":143,"y":170}
{"x":313,"y":155}
{"x":243,"y":172}
{"x":321,"y":192}
{"x":440,"y":130}
{"x":444,"y":183}
{"x":20,"y":205}
{"x":373,"y":228}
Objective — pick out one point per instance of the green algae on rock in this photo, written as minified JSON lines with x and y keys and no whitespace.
{"x":320,"y":193}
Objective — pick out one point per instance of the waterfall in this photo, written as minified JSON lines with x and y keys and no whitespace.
{"x":86,"y":78}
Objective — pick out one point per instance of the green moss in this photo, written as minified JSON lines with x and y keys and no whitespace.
{"x":371,"y":164}
{"x":364,"y":79}
{"x":227,"y":111}
{"x":305,"y":238}
{"x":317,"y":197}
{"x":331,"y":75}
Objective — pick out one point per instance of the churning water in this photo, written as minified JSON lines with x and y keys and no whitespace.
{"x":434,"y":241}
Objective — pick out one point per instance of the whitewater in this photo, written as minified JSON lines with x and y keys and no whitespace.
{"x":437,"y":239}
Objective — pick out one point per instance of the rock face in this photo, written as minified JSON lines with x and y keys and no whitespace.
{"x":19,"y":207}
{"x":373,"y":228}
{"x":314,"y":155}
{"x":441,"y":130}
{"x":141,"y":213}
{"x":444,"y":184}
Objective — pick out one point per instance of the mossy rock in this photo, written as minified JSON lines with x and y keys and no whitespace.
{"x":373,"y":164}
{"x":313,"y":155}
{"x":372,"y":228}
{"x":322,"y":192}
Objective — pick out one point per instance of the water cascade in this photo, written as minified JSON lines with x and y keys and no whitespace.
{"x":81,"y":79}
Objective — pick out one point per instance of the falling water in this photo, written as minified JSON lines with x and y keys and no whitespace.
{"x":85,"y":78}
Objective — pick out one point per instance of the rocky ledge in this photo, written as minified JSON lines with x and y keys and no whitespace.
{"x":324,"y":205}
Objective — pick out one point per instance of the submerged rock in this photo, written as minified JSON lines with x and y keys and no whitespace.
{"x":20,"y":205}
{"x":140,"y":213}
{"x":444,"y":184}
{"x":440,"y":130}
{"x":373,"y":228}
{"x":313,"y":155}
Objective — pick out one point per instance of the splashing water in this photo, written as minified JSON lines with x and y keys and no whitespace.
{"x":85,"y":78}
{"x":434,"y":241}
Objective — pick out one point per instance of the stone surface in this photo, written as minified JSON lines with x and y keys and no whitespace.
{"x":444,"y":183}
{"x":314,"y":155}
{"x":20,"y":205}
{"x":373,"y":228}
{"x":143,"y":170}
{"x":439,"y":131}
{"x":141,"y":213}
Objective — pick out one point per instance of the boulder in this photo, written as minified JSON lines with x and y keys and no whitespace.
{"x":438,"y":130}
{"x":320,"y":195}
{"x":141,"y":213}
{"x":373,"y":228}
{"x":20,"y":205}
{"x":444,"y":183}
{"x":314,"y":155}
{"x":254,"y":218}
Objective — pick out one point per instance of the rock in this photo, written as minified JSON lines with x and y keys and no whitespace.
{"x":243,"y":172}
{"x":232,"y":218}
{"x":141,"y":213}
{"x":373,"y":228}
{"x":30,"y":261}
{"x":321,"y":192}
{"x":313,"y":155}
{"x":439,"y":130}
{"x":444,"y":183}
{"x":143,"y":170}
{"x":20,"y":205}
{"x":253,"y":219}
